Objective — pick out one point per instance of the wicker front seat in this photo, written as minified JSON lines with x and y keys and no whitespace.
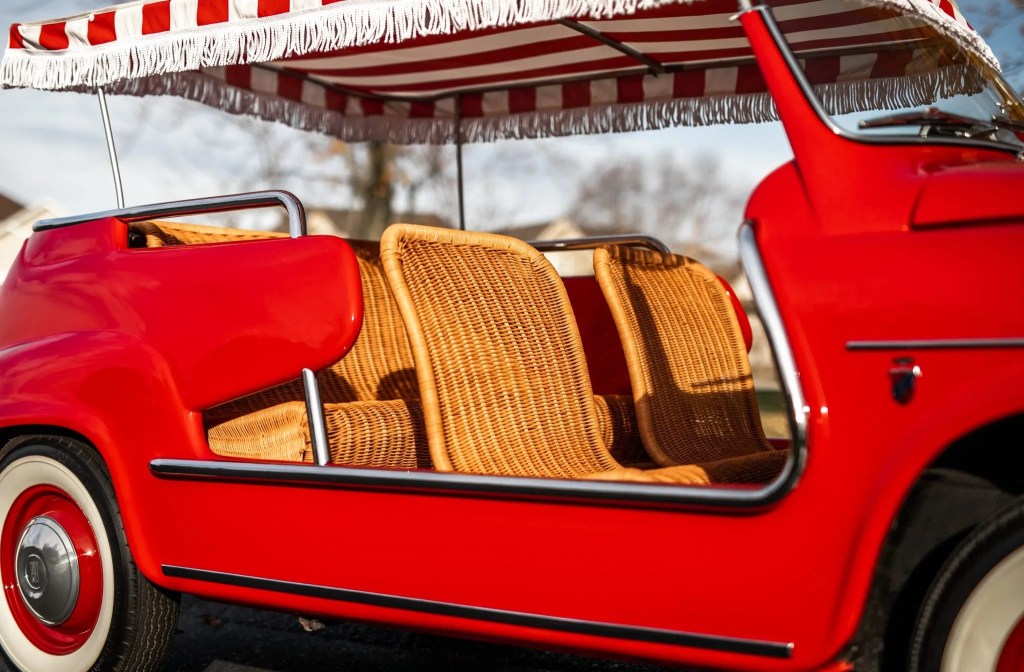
{"x":500,"y":365}
{"x":370,"y":396}
{"x":688,"y":365}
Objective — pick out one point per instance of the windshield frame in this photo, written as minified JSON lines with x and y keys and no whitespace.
{"x":881,"y":139}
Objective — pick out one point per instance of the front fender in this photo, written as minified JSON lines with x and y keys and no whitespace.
{"x":118,"y":393}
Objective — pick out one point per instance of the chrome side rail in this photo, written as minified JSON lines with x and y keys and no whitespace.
{"x":590,"y":242}
{"x":197,"y":206}
{"x":315,"y":414}
{"x":768,"y":309}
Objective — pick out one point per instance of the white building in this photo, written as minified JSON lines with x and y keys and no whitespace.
{"x":16,"y":225}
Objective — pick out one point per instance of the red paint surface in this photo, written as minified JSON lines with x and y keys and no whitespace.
{"x":601,"y":345}
{"x":1011,"y":658}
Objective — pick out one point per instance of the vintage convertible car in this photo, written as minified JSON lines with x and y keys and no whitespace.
{"x":436,"y":431}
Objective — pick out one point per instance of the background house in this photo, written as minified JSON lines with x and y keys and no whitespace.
{"x":16,"y":223}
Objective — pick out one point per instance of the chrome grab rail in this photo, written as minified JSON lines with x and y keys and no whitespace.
{"x":590,"y":242}
{"x":197,"y":206}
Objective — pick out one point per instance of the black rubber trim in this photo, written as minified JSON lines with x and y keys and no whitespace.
{"x":575,"y":626}
{"x":471,"y":484}
{"x":939,"y":344}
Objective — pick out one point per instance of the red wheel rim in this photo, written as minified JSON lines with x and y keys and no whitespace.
{"x":1011,"y":658}
{"x":46,"y":500}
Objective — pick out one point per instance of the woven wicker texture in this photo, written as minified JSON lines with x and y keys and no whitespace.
{"x":688,"y":365}
{"x":387,"y":434}
{"x":616,"y":419}
{"x":160,"y":234}
{"x":501,"y":368}
{"x":276,"y":433}
{"x":384,"y":434}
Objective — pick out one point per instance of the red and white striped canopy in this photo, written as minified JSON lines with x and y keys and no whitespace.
{"x":415,"y":70}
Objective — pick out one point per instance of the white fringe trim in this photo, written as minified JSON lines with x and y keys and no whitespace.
{"x":839,"y":98}
{"x":338,"y":26}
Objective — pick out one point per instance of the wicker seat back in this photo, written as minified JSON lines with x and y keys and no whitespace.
{"x":501,"y":369}
{"x":161,"y":234}
{"x":687,"y":360}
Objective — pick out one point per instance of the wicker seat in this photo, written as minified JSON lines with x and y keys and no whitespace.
{"x":688,"y":365}
{"x":162,"y":234}
{"x":364,"y":427}
{"x":370,"y":407}
{"x":499,"y":361}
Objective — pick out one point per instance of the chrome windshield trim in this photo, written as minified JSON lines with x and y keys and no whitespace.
{"x":197,"y":206}
{"x":590,"y":242}
{"x":771,"y":318}
{"x":937,"y":344}
{"x":515,"y":618}
{"x":808,"y":90}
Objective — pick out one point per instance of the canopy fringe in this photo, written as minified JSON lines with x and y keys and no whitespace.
{"x":395,"y":127}
{"x":336,"y":26}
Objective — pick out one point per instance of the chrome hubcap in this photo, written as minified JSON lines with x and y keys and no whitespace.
{"x":47,"y":568}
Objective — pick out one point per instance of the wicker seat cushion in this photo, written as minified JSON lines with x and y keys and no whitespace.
{"x":499,"y":359}
{"x":383,"y":434}
{"x":688,"y":365}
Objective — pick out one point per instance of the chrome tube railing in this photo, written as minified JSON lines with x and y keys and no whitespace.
{"x":197,"y":206}
{"x":590,"y":242}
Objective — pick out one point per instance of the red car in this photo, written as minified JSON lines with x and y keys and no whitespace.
{"x":437,"y":432}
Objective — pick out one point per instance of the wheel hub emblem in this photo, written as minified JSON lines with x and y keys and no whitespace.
{"x":47,"y":570}
{"x":35,"y":573}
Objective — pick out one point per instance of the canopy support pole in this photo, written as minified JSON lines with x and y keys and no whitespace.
{"x":458,"y":161}
{"x":655,"y":66}
{"x":118,"y":188}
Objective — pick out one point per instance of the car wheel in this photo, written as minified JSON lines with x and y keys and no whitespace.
{"x":973,"y":616}
{"x":73,"y":598}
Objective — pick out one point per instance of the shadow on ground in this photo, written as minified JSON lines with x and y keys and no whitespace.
{"x":215,"y":637}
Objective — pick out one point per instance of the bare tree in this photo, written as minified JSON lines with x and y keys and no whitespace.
{"x":688,"y":205}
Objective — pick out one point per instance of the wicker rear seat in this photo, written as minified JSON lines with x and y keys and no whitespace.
{"x":371,"y":398}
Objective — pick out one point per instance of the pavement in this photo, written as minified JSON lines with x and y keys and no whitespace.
{"x":214,"y":637}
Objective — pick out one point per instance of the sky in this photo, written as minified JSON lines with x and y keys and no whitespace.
{"x":54,"y":149}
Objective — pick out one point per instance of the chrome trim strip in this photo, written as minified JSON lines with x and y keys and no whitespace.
{"x":808,"y":90}
{"x":768,"y":309}
{"x":198,"y":206}
{"x":638,"y":494}
{"x":590,"y":242}
{"x":938,"y":344}
{"x":751,"y":647}
{"x":111,"y":150}
{"x":315,"y":414}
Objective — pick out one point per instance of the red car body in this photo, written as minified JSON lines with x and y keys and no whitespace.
{"x":880,"y":258}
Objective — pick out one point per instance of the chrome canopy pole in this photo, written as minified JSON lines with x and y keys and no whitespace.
{"x":110,"y":146}
{"x":458,"y":161}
